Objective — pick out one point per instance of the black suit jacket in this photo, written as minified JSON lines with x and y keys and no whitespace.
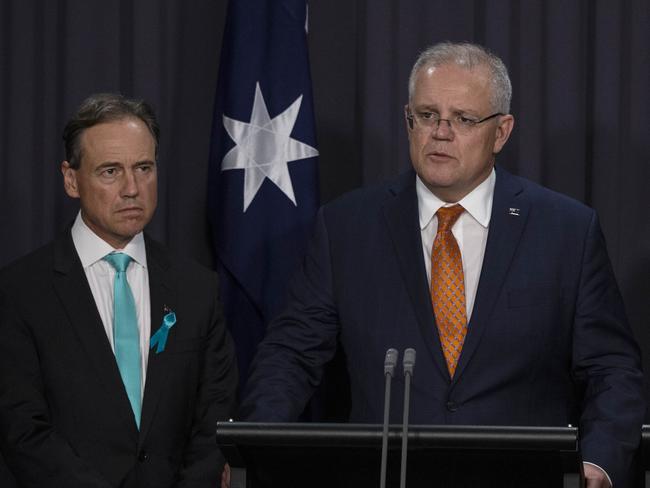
{"x":65,"y":419}
{"x":548,"y":342}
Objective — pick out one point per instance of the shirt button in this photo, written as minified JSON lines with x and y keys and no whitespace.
{"x":452,"y":406}
{"x":143,"y":456}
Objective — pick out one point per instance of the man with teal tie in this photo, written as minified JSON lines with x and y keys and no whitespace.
{"x":115,"y":362}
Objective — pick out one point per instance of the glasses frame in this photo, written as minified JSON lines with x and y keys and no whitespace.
{"x":412,"y":121}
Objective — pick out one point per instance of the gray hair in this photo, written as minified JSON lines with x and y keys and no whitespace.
{"x":101,"y":108}
{"x":468,"y":56}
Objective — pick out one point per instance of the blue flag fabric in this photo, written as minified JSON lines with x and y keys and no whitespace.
{"x":263,"y":181}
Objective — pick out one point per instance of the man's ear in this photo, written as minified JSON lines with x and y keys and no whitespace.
{"x":408,"y":122}
{"x":504,"y":129}
{"x":69,"y":180}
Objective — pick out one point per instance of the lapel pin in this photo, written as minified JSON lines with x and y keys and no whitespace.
{"x":513,"y":211}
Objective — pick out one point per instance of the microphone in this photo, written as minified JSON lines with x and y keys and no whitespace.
{"x":390,"y":361}
{"x":408,"y":364}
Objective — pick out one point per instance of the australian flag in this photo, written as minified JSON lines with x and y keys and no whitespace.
{"x":263,"y":182}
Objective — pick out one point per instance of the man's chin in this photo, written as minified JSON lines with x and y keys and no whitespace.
{"x":131,"y":231}
{"x":446,"y":189}
{"x":128,"y":231}
{"x":439,"y":182}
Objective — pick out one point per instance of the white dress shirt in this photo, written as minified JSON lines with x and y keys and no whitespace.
{"x":470,"y":230}
{"x":100,"y":274}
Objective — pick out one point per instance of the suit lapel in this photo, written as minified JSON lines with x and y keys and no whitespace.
{"x":71,"y":286}
{"x":162,"y":294}
{"x":401,"y":213}
{"x":510,"y":210}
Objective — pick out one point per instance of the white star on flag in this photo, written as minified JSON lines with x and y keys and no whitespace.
{"x":264,"y":146}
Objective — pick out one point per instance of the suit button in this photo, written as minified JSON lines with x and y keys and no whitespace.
{"x":452,"y":406}
{"x":143,"y":456}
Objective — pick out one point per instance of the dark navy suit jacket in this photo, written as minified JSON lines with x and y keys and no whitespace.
{"x":65,"y":419}
{"x":548,"y":342}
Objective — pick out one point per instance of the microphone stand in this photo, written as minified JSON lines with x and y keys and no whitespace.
{"x":390,"y":361}
{"x":408,"y":364}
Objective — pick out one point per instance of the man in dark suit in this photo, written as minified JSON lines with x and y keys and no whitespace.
{"x":115,"y":363}
{"x":503,"y":287}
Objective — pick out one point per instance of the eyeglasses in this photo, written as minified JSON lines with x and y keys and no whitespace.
{"x":459,"y":123}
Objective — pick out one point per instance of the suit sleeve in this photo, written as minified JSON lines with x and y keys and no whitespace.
{"x":215,"y":401}
{"x":289,"y":362}
{"x":607,"y":365}
{"x":32,"y":447}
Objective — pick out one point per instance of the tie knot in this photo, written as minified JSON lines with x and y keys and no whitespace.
{"x":118,"y":260}
{"x":447,"y":216}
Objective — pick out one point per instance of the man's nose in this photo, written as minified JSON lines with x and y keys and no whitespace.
{"x":442,"y":129}
{"x":129,"y":184}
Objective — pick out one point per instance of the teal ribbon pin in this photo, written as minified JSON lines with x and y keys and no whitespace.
{"x":160,"y":337}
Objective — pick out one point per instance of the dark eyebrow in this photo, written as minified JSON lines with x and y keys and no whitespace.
{"x":111,"y":164}
{"x":108,"y":164}
{"x":426,"y":108}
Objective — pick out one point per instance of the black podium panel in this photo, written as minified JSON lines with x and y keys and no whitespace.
{"x":348,"y":455}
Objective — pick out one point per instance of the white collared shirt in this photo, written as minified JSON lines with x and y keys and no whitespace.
{"x":100,"y":274}
{"x":470,"y":230}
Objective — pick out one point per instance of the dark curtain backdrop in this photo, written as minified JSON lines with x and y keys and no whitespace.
{"x":580,"y":71}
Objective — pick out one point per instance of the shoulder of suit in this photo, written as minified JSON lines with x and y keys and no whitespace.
{"x":544,"y":197}
{"x":160,"y":255}
{"x":32,"y":266}
{"x":541,"y":199}
{"x":372,"y":196}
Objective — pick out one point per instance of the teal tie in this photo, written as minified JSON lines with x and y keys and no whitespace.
{"x":126,"y":335}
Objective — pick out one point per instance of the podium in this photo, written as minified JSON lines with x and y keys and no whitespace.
{"x":314,"y":455}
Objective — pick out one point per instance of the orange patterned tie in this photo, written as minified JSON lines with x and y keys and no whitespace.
{"x":448,"y":287}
